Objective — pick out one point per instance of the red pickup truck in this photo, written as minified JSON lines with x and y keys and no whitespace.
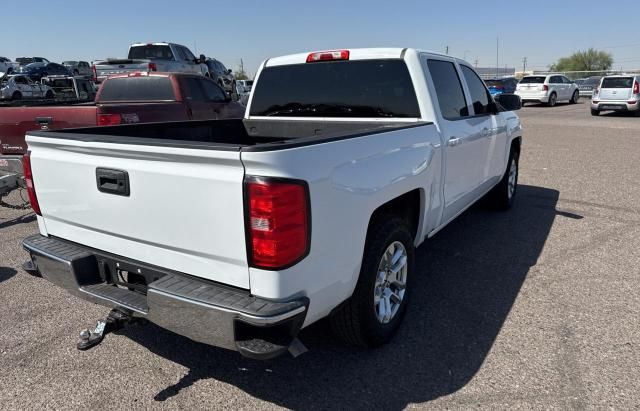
{"x":124,"y":99}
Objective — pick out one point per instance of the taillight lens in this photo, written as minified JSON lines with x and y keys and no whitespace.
{"x":109,"y":119}
{"x":28,"y":178}
{"x":545,"y":87}
{"x":278,"y":222}
{"x":153,"y":67}
{"x":94,"y":73}
{"x":636,"y":87}
{"x":328,"y":55}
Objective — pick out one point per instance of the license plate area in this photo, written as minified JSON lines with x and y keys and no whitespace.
{"x":127,"y":274}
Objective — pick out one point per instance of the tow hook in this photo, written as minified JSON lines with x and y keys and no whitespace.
{"x":116,"y":320}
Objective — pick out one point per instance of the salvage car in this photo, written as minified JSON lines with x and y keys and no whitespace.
{"x":36,"y":71}
{"x":18,"y":87}
{"x":78,"y":68}
{"x":221,"y":75}
{"x":310,"y":207}
{"x":7,"y":66}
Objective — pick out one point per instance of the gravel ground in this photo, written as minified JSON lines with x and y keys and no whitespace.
{"x":536,"y":308}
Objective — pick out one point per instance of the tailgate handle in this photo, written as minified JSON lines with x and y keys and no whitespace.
{"x":44,"y":122}
{"x":112,"y":181}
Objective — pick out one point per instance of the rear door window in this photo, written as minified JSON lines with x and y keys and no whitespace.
{"x":212,"y":91}
{"x":617,"y":82}
{"x":479,"y":95}
{"x":448,"y":89}
{"x":353,"y":88}
{"x":143,"y":88}
{"x":193,"y":90}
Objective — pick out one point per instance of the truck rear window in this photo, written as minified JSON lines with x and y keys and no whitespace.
{"x":143,"y":88}
{"x":151,"y":52}
{"x":533,"y":80}
{"x":359,"y":88}
{"x":617,"y":82}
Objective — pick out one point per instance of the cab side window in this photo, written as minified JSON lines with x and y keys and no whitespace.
{"x":480,"y":97}
{"x":213,"y":92}
{"x":448,"y":89}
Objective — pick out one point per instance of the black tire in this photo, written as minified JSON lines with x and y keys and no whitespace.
{"x":76,"y":73}
{"x":501,"y":197}
{"x":49,"y":95}
{"x":16,"y":95}
{"x":355,"y":322}
{"x":575,"y":97}
{"x":553,"y":99}
{"x":595,"y":112}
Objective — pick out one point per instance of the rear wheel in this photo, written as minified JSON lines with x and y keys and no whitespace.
{"x":595,"y":112}
{"x":16,"y":95}
{"x":553,"y":99}
{"x":575,"y":97}
{"x":375,"y":310}
{"x":49,"y":95}
{"x":76,"y":73}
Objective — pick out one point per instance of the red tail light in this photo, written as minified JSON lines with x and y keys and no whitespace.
{"x":94,"y":73}
{"x":109,"y":119}
{"x":328,"y":55}
{"x":545,"y":87}
{"x":28,"y":178}
{"x":278,"y":222}
{"x":153,"y":67}
{"x":636,"y":87}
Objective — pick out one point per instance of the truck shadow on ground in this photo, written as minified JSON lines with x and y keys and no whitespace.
{"x":6,"y":273}
{"x":469,"y":276}
{"x":23,"y":219}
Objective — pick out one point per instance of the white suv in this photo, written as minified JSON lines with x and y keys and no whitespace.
{"x":617,"y":93}
{"x":549,"y":89}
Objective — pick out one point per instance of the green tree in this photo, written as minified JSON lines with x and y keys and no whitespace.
{"x":588,"y":60}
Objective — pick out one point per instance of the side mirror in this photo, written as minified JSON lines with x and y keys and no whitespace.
{"x":229,"y":71}
{"x":202,"y":59}
{"x":509,"y":102}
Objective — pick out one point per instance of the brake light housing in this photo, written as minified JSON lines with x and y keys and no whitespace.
{"x":636,"y":87}
{"x":277,"y":222}
{"x":28,"y":179}
{"x":545,"y":87}
{"x":153,"y":67}
{"x":109,"y":119}
{"x":94,"y":73}
{"x":328,"y":55}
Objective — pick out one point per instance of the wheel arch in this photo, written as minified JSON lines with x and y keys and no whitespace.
{"x":408,"y":206}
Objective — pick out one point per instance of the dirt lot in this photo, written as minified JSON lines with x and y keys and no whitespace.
{"x":538,"y":307}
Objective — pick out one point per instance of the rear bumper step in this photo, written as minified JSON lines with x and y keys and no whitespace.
{"x":201,"y":310}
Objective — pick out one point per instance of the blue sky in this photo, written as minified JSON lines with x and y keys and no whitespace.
{"x":542,"y":31}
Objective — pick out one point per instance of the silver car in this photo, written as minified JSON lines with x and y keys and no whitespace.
{"x":617,"y":93}
{"x":78,"y":68}
{"x":18,"y":87}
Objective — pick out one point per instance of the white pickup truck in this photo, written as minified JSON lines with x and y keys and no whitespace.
{"x":238,"y":233}
{"x":145,"y":57}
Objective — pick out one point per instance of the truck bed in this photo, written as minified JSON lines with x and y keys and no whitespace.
{"x":229,"y":135}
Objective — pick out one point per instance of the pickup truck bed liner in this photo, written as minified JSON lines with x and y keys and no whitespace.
{"x":230,"y":135}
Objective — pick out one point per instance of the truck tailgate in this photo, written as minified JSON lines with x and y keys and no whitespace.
{"x":184,"y":210}
{"x":16,"y":121}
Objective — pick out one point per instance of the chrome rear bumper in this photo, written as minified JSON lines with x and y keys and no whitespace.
{"x":201,"y":310}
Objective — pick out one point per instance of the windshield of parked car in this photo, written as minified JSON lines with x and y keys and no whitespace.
{"x":533,"y":80}
{"x":361,"y":88}
{"x":592,"y":81}
{"x":151,"y":52}
{"x":143,"y":88}
{"x":617,"y":82}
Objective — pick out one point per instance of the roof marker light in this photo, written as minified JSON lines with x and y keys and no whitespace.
{"x":328,"y":55}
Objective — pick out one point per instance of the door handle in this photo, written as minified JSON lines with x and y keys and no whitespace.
{"x":454,"y":141}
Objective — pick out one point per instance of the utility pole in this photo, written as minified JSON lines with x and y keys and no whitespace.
{"x":476,"y":63}
{"x":446,"y":50}
{"x":524,"y":65}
